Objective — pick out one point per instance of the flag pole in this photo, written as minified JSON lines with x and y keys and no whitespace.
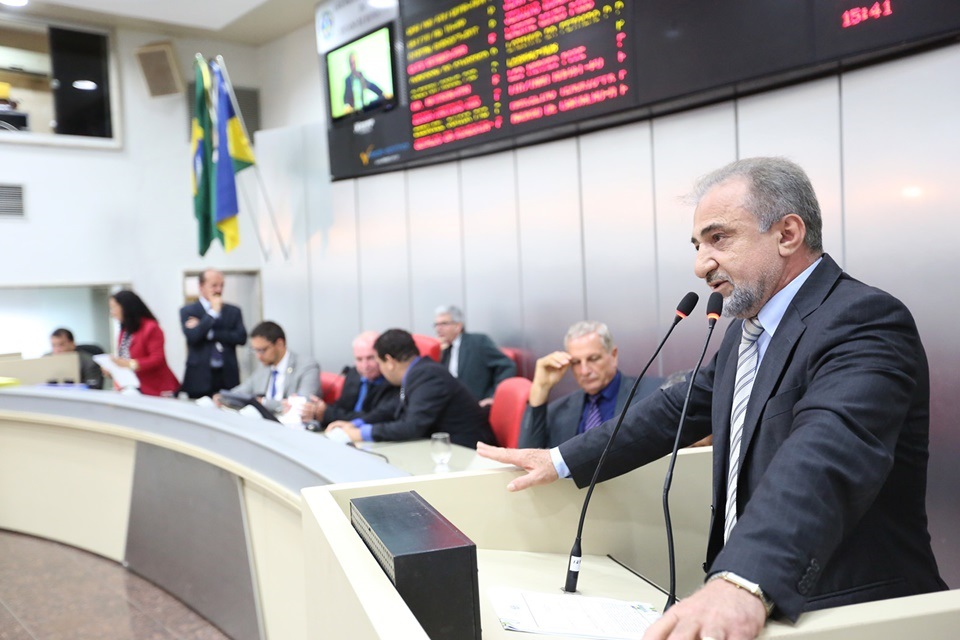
{"x":212,"y":109}
{"x":256,"y":167}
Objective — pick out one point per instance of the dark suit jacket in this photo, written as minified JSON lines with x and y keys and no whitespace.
{"x":348,"y":90}
{"x":228,"y":330}
{"x":431,"y":401}
{"x":146,"y":347}
{"x":381,"y":403}
{"x":481,"y":366}
{"x":831,"y":494}
{"x":548,"y":425}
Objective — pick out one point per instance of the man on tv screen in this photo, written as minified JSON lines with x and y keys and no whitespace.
{"x":357,"y":90}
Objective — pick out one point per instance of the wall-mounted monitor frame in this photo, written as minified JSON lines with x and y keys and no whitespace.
{"x":362,"y":75}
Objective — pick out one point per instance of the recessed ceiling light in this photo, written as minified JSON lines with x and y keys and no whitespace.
{"x":14,"y":3}
{"x":84,"y":85}
{"x":382,"y":4}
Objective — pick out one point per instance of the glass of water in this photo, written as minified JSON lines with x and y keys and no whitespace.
{"x":440,"y":449}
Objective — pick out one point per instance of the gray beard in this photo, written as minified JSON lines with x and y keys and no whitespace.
{"x":743,"y":302}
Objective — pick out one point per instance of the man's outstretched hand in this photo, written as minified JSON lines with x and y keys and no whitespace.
{"x":536,"y":462}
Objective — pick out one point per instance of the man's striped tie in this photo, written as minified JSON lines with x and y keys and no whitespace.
{"x":747,"y":360}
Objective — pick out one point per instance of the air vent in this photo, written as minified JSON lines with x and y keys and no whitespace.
{"x":159,"y":67}
{"x":11,"y":201}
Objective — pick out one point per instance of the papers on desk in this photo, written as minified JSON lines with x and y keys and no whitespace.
{"x":339,"y":435}
{"x":122,"y":376}
{"x":570,"y":614}
{"x":291,"y":417}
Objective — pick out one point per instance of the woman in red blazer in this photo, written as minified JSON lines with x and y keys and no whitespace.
{"x":140,"y":347}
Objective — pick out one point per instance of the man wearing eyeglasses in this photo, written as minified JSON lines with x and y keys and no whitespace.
{"x":472,"y":358}
{"x":283,"y":374}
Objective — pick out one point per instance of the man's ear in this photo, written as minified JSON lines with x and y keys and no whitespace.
{"x":792,"y":232}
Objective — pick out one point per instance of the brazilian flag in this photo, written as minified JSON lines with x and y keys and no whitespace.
{"x":201,"y":144}
{"x":232,"y":153}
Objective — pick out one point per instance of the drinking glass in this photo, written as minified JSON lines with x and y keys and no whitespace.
{"x":440,"y":448}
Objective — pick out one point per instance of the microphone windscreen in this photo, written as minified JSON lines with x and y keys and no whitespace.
{"x":687,"y":305}
{"x":715,"y":305}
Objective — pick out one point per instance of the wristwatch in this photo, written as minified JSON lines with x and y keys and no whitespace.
{"x":746,"y":585}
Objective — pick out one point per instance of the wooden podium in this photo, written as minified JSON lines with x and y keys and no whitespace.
{"x":523,"y":540}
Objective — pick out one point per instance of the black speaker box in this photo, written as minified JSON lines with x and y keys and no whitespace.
{"x":430,"y":562}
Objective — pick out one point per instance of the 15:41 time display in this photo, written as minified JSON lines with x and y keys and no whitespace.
{"x":853,"y":17}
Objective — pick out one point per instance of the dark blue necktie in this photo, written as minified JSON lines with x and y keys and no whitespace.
{"x":593,"y":418}
{"x":273,"y":384}
{"x":364,"y":384}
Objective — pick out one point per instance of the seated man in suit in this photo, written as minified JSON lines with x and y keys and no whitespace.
{"x":472,"y":358}
{"x":431,"y":400}
{"x":283,"y":374}
{"x":213,"y":330}
{"x":366,"y":393}
{"x":590,"y":354}
{"x":61,"y":341}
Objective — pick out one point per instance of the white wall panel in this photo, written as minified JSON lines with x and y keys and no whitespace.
{"x":551,"y":244}
{"x":436,"y":242}
{"x":619,"y":239}
{"x":334,"y":278}
{"x":901,"y":136}
{"x":384,"y":252}
{"x":491,"y":249}
{"x":685,"y":146}
{"x":284,"y":274}
{"x":801,"y":123}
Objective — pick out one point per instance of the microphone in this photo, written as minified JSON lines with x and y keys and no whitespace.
{"x":714,"y":307}
{"x":573,"y":567}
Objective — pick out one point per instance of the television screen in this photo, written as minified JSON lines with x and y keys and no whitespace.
{"x":361,"y":75}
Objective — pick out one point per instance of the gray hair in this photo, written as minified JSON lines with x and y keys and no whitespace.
{"x":777,"y":187}
{"x":585,"y":328}
{"x":449,"y":310}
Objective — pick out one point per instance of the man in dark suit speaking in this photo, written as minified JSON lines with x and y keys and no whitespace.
{"x":213,"y":330}
{"x":431,"y":400}
{"x":591,"y":356}
{"x":818,"y":400}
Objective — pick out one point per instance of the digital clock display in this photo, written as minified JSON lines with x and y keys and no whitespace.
{"x":859,"y":15}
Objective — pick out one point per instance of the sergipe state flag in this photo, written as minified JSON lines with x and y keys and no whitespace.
{"x":232,"y":153}
{"x":201,"y":144}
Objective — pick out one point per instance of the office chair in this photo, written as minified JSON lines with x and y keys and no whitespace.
{"x":331,"y":386}
{"x":506,"y":413}
{"x":428,"y":346}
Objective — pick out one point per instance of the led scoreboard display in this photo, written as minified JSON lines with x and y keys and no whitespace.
{"x":477,"y":76}
{"x":483,"y":70}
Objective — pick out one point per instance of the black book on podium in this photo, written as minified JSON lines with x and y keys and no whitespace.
{"x":432,"y":564}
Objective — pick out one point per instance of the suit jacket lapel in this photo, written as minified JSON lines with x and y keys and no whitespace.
{"x":626,"y":384}
{"x":791,"y":328}
{"x":288,"y":374}
{"x":463,"y":355}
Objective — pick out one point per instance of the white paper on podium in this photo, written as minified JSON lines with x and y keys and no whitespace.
{"x":123,"y":377}
{"x":571,"y":614}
